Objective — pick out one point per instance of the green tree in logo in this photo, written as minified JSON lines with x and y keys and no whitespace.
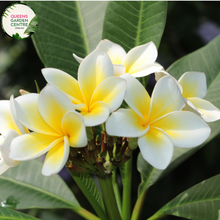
{"x":16,"y":36}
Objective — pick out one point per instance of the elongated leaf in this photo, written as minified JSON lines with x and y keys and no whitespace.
{"x":90,"y":190}
{"x":24,"y":187}
{"x":88,"y":182}
{"x":200,"y":202}
{"x":134,"y":23}
{"x":207,"y":60}
{"x":65,"y":28}
{"x":8,"y":214}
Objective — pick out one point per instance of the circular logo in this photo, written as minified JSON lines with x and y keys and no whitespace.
{"x":19,"y":21}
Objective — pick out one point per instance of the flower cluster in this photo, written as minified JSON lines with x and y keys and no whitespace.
{"x":80,"y":123}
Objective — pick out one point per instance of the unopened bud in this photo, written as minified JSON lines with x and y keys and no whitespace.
{"x":23,"y":92}
{"x":128,"y":152}
{"x":98,"y":142}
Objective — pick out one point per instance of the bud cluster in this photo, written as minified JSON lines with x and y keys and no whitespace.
{"x":100,"y":156}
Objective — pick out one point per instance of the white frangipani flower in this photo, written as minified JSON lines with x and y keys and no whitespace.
{"x":158,"y":122}
{"x":194,"y":88}
{"x":139,"y":61}
{"x":96,"y":93}
{"x":56,"y":127}
{"x":10,"y":127}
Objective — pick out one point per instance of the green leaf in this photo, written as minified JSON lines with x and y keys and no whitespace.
{"x":200,"y":202}
{"x":90,"y":190}
{"x":130,"y":24}
{"x":8,"y":214}
{"x":25,"y":187}
{"x":66,"y":28}
{"x":204,"y":60}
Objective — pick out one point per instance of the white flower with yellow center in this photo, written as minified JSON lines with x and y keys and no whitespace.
{"x":158,"y":122}
{"x":10,"y":127}
{"x":96,"y":93}
{"x":55,"y":125}
{"x":194,"y":88}
{"x":139,"y":61}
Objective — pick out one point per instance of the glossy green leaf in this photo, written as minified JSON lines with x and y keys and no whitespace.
{"x":8,"y":214}
{"x":90,"y":190}
{"x":200,"y":202}
{"x":204,"y":60}
{"x":132,"y":23}
{"x":65,"y":28}
{"x":25,"y":187}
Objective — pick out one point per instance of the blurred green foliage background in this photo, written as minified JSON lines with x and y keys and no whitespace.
{"x":190,"y":25}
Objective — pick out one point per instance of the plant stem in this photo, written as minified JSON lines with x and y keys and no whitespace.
{"x":138,"y":206}
{"x":85,"y":214}
{"x":157,"y":216}
{"x":126,"y":199}
{"x":116,"y":190}
{"x":109,"y":198}
{"x":88,"y":194}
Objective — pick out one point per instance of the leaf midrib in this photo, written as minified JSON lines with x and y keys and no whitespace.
{"x":82,"y":27}
{"x":139,"y":24}
{"x":39,"y":190}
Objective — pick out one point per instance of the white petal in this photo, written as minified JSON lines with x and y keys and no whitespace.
{"x":194,"y":84}
{"x":18,"y":125}
{"x":93,"y":70}
{"x":110,"y":91}
{"x":125,"y":123}
{"x":119,"y":69}
{"x":28,"y":114}
{"x":53,"y":105}
{"x":145,"y":69}
{"x":56,"y":158}
{"x":137,"y":97}
{"x":156,"y":148}
{"x":165,"y":98}
{"x":5,"y":148}
{"x":97,"y":115}
{"x":209,"y":112}
{"x":160,"y":74}
{"x":185,"y":128}
{"x":32,"y":145}
{"x":114,"y":51}
{"x":64,"y":82}
{"x":78,"y":59}
{"x":3,"y":166}
{"x":163,"y":73}
{"x":190,"y":107}
{"x":6,"y":122}
{"x":73,"y":127}
{"x":143,"y":54}
{"x":2,"y":138}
